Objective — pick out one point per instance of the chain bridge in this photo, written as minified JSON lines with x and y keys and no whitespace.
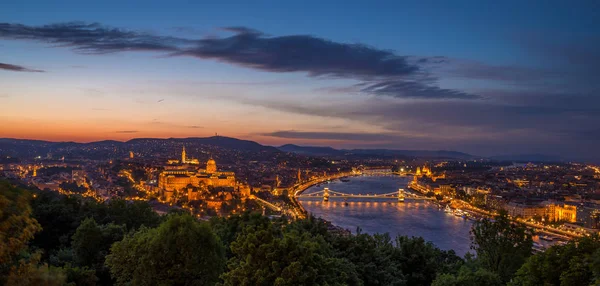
{"x":401,"y":195}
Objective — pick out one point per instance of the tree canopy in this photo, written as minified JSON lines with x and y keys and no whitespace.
{"x":180,"y":251}
{"x":502,"y":246}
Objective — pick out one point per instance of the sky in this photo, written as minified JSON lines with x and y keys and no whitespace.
{"x":482,"y":77}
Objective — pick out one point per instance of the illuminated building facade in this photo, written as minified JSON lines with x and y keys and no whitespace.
{"x":180,"y":177}
{"x":525,"y":211}
{"x":566,"y":213}
{"x":184,"y":159}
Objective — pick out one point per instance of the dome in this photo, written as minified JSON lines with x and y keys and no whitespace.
{"x":211,"y":166}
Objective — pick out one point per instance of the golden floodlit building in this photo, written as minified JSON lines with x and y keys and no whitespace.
{"x":175,"y":178}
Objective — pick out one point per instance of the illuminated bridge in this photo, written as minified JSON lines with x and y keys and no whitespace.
{"x":401,"y":195}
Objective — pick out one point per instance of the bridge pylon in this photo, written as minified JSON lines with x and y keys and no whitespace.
{"x":326,"y":194}
{"x":400,"y":195}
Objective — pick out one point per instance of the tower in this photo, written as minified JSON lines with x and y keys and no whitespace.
{"x":400,"y":195}
{"x":299,"y":176}
{"x":211,"y":166}
{"x":183,"y":158}
{"x":130,"y":154}
{"x":35,"y":171}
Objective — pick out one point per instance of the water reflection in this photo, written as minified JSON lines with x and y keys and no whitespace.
{"x":412,"y":218}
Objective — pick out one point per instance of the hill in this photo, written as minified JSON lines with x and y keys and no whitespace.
{"x":328,"y":151}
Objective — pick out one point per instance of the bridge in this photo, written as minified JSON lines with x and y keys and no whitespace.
{"x":401,"y":195}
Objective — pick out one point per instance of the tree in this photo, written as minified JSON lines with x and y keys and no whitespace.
{"x":264,"y":255}
{"x":501,"y":245}
{"x":17,"y":265}
{"x":576,"y":263}
{"x":132,"y":214}
{"x":181,"y":251}
{"x":91,"y":244}
{"x":421,"y":261}
{"x":229,"y":228}
{"x":17,"y":226}
{"x":468,"y":276}
{"x":373,"y":257}
{"x":30,"y":272}
{"x":80,"y":276}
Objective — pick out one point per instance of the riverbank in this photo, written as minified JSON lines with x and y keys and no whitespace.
{"x":537,"y":227}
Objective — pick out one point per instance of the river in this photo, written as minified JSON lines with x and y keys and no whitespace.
{"x":411,"y":218}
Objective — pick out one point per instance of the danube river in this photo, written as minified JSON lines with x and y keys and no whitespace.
{"x":411,"y":218}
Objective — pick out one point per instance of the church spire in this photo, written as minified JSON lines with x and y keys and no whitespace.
{"x":183,"y":157}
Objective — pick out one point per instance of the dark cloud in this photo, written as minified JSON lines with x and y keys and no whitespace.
{"x":195,"y":127}
{"x":413,"y":89}
{"x":17,"y":68}
{"x":127,"y":131}
{"x":91,"y":38}
{"x":302,"y":53}
{"x":402,"y":76}
{"x":292,"y":134}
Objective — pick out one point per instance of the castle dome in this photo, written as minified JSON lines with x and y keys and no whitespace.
{"x":211,"y":166}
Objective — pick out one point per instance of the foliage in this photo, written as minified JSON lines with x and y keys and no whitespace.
{"x":468,"y":276}
{"x":228,"y":229}
{"x":264,"y":255}
{"x":60,"y":215}
{"x":501,"y":245}
{"x":17,"y":265}
{"x":91,"y":244}
{"x":576,"y":263}
{"x":17,"y":226}
{"x":80,"y":276}
{"x":366,"y":259}
{"x":30,"y":272}
{"x":181,"y":251}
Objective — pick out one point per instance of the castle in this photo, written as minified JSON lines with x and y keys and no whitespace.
{"x":176,"y":177}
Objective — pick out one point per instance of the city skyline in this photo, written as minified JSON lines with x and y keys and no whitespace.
{"x":481,"y":78}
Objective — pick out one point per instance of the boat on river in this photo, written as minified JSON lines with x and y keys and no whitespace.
{"x":448,"y":209}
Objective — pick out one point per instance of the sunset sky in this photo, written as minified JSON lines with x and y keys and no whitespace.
{"x":483,"y":77}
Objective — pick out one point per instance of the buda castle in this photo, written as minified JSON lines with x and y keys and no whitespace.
{"x":181,"y":174}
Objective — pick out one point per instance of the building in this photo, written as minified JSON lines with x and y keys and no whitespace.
{"x":588,"y":215}
{"x":176,"y":178}
{"x":556,"y":212}
{"x":525,"y":211}
{"x":495,"y":202}
{"x":184,"y":159}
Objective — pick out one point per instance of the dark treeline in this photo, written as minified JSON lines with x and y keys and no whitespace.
{"x":51,"y":239}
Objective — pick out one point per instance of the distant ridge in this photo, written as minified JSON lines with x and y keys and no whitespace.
{"x":328,"y":151}
{"x":309,"y":150}
{"x":528,"y":158}
{"x":28,"y":148}
{"x":221,"y":141}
